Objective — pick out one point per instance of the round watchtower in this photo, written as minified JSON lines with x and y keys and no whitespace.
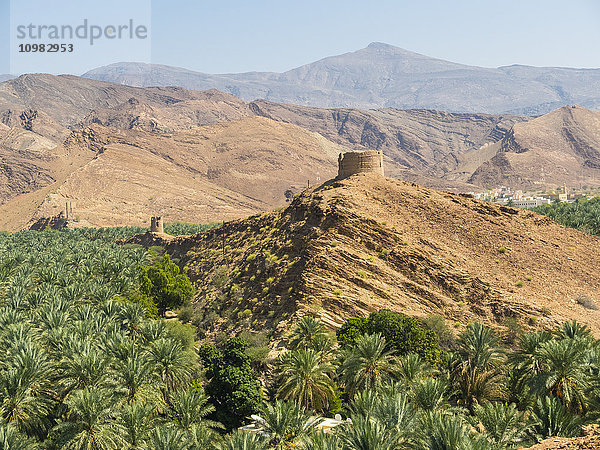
{"x":370,"y":161}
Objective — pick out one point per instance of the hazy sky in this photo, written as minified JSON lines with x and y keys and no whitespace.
{"x":268,"y":35}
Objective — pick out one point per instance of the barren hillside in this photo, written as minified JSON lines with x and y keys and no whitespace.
{"x":69,"y":100}
{"x":561,"y":147}
{"x":199,"y":156}
{"x":428,"y":143}
{"x":353,"y":246}
{"x":213,"y":173}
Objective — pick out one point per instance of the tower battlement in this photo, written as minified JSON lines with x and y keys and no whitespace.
{"x":350,"y":163}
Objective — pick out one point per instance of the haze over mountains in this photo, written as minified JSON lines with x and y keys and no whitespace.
{"x":384,"y":76}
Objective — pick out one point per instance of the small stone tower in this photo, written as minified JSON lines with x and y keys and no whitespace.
{"x":156,"y":225}
{"x":350,"y":163}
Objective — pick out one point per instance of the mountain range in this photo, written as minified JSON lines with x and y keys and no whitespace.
{"x":384,"y":76}
{"x":120,"y":154}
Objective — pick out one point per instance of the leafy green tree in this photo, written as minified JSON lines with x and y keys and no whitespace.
{"x":165,"y":285}
{"x":403,"y":334}
{"x":233,"y":386}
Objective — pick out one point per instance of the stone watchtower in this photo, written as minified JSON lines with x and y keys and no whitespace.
{"x":156,"y":225}
{"x":350,"y":163}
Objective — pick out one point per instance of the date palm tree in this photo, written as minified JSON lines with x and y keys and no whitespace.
{"x":504,"y":425}
{"x":305,"y":379}
{"x":553,"y":419}
{"x":90,"y":422}
{"x":168,"y":438}
{"x":448,"y":432}
{"x":431,"y":394}
{"x":475,"y":367}
{"x":26,"y":394}
{"x":412,"y":368}
{"x":565,"y":373}
{"x":190,"y":408}
{"x":137,"y":420}
{"x":286,"y":423}
{"x":172,"y":364}
{"x":134,"y":377}
{"x":366,"y":433}
{"x":367,"y":364}
{"x":306,"y":333}
{"x":11,"y":439}
{"x":83,"y":368}
{"x":525,"y":363}
{"x":243,"y":440}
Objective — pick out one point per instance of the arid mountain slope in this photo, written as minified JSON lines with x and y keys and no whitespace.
{"x":212,"y":173}
{"x":562,"y":147}
{"x":423,"y":141}
{"x":254,"y":153}
{"x":419,"y":145}
{"x":352,"y":246}
{"x":69,"y":99}
{"x":384,"y":76}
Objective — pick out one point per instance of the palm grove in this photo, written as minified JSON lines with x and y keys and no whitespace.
{"x":88,"y":363}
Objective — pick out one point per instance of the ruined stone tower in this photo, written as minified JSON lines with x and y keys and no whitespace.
{"x":156,"y":225}
{"x":350,"y":163}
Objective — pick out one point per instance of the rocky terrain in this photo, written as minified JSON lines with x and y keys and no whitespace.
{"x":429,"y":143}
{"x":589,"y":441}
{"x":212,"y":173}
{"x":562,"y":147}
{"x":123,"y":153}
{"x":384,"y":76}
{"x":69,"y":100}
{"x":353,"y":246}
{"x":56,"y":132}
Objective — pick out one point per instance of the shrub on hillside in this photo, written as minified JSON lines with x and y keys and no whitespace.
{"x":403,"y":334}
